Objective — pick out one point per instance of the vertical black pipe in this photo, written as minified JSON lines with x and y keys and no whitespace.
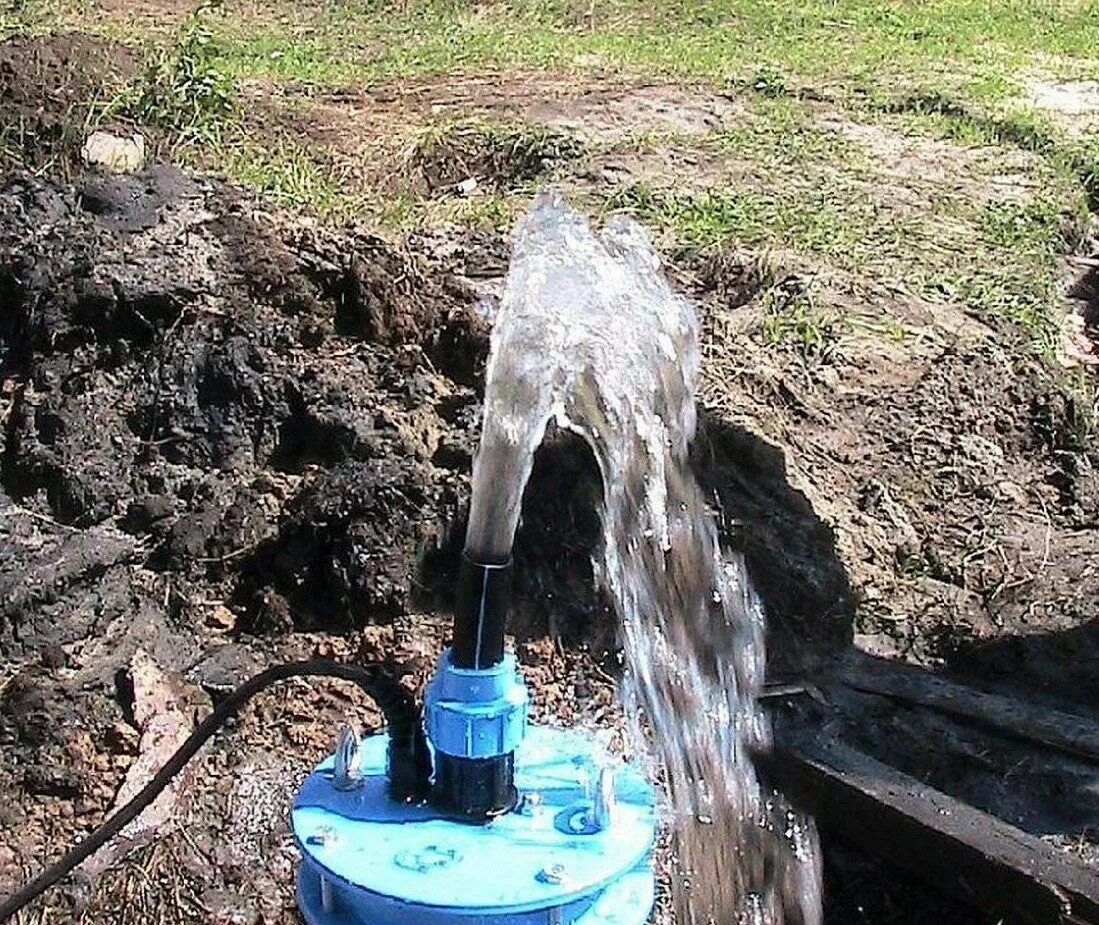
{"x":478,"y":789}
{"x":480,"y":613}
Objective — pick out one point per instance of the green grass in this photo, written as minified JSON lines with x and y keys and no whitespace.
{"x":799,"y":219}
{"x":1032,"y":228}
{"x":952,"y":118}
{"x":973,"y":43}
{"x":722,"y":39}
{"x":954,"y":70}
{"x":782,"y":132}
{"x":792,"y":319}
{"x":285,"y":172}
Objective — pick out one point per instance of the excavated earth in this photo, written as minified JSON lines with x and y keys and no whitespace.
{"x":230,"y":437}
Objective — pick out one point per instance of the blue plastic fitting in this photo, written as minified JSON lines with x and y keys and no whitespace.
{"x":476,"y":713}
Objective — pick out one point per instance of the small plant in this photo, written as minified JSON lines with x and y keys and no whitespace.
{"x":1082,"y":413}
{"x":1032,"y":227}
{"x":1085,"y":163}
{"x":770,"y":81}
{"x":791,"y":318}
{"x":184,"y":91}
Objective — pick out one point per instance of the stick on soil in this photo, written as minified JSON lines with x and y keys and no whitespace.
{"x":1064,"y":732}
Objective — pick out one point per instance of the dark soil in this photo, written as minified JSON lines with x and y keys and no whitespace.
{"x":49,"y":88}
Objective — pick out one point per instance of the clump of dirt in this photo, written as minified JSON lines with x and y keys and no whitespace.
{"x":50,"y":86}
{"x":497,"y":157}
{"x":180,"y":367}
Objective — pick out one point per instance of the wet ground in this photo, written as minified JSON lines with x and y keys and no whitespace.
{"x":231,"y":436}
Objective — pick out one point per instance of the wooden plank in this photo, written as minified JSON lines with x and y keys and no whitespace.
{"x":1064,"y":732}
{"x":954,"y":847}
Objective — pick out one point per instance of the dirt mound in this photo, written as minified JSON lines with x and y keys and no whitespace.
{"x":178,"y":366}
{"x":50,"y":86}
{"x":500,"y":158}
{"x":935,"y":498}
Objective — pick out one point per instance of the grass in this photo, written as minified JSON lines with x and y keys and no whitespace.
{"x":953,"y":70}
{"x":839,"y":42}
{"x":792,"y":318}
{"x":500,"y":154}
{"x":783,"y":132}
{"x":185,"y":90}
{"x":285,"y":172}
{"x":705,"y":218}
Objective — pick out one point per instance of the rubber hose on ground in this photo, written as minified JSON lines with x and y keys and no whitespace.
{"x":409,"y":759}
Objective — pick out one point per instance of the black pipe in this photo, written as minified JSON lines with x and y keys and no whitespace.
{"x":475,"y":789}
{"x":480,"y":613}
{"x":478,"y":789}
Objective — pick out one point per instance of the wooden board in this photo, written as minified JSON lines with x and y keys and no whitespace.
{"x":1064,"y":732}
{"x":951,"y":845}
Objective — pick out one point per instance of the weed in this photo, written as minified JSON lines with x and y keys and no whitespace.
{"x":1068,"y":419}
{"x":1084,"y":410}
{"x":790,"y":318}
{"x":184,"y":90}
{"x":1022,"y":294}
{"x":1025,"y":129}
{"x":1032,"y":228}
{"x":1021,"y":128}
{"x":1085,"y":164}
{"x":784,"y":132}
{"x":1082,"y":392}
{"x":284,"y":172}
{"x":491,"y":212}
{"x":770,"y":81}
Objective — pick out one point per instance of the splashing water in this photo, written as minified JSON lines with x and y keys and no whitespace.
{"x":589,"y":334}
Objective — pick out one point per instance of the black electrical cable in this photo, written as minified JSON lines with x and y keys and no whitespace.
{"x":409,"y":759}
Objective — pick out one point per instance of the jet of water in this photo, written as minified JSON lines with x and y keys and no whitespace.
{"x":590,"y":334}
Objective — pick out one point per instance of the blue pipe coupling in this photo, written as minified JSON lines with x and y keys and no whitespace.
{"x":476,"y":713}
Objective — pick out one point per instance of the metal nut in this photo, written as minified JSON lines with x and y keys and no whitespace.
{"x":324,"y":835}
{"x":551,"y":873}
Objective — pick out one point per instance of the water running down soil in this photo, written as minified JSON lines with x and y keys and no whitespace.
{"x":589,"y":334}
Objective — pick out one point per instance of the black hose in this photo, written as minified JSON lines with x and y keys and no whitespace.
{"x":409,"y":759}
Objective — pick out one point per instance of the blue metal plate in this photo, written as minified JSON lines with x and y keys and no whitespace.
{"x":627,"y":901}
{"x":526,"y":860}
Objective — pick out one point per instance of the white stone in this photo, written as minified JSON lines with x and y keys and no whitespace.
{"x":119,"y":155}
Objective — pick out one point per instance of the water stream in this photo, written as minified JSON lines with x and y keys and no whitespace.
{"x":590,"y":334}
